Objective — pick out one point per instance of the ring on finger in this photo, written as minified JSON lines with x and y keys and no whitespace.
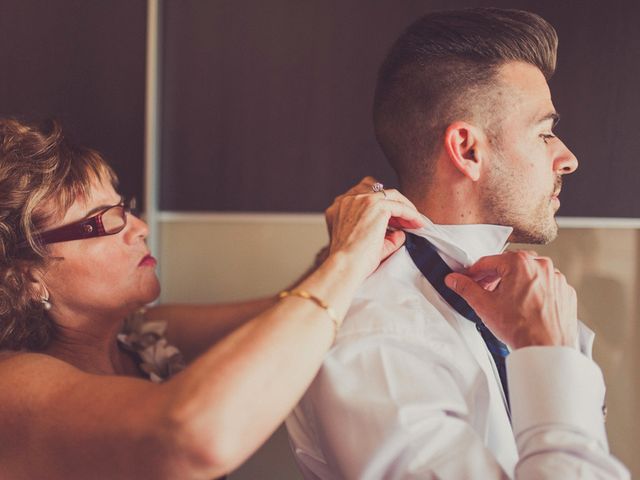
{"x":378,"y":187}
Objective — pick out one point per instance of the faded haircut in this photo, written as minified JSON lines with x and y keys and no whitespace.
{"x":444,"y":68}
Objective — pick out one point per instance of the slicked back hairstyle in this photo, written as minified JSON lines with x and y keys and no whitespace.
{"x":444,"y":68}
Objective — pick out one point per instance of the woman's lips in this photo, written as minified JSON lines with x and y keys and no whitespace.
{"x":148,"y":261}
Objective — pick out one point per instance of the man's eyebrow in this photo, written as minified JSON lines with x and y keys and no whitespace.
{"x":555,"y":116}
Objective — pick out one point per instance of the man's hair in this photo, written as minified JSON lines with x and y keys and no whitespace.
{"x":444,"y":68}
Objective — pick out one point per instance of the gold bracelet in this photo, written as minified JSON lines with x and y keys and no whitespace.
{"x":322,"y":304}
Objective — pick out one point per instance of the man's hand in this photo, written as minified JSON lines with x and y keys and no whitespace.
{"x":531,"y":305}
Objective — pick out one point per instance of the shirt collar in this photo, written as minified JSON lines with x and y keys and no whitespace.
{"x":462,"y":245}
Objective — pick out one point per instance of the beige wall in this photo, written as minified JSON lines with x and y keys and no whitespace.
{"x":603,"y":265}
{"x":207,"y":258}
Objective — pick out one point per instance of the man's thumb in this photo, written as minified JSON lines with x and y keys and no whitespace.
{"x":466,"y":288}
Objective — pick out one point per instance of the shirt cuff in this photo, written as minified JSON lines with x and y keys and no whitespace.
{"x":555,"y":386}
{"x":585,"y":339}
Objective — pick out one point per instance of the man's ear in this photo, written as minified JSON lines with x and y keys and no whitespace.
{"x":461,"y":144}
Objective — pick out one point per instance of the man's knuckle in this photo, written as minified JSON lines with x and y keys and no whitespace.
{"x":520,"y":256}
{"x":462,"y":287}
{"x":546,"y":261}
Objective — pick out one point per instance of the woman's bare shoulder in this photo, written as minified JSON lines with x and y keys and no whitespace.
{"x":49,"y":407}
{"x":34,"y":385}
{"x":28,"y":383}
{"x":18,"y":362}
{"x":24,"y":376}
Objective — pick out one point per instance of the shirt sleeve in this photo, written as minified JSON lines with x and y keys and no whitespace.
{"x":557,"y":400}
{"x":391,"y":408}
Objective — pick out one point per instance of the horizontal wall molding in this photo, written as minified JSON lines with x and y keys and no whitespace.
{"x":244,"y":217}
{"x":598,"y":222}
{"x":316,"y":218}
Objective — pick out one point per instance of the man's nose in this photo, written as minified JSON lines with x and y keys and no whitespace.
{"x":565,"y":162}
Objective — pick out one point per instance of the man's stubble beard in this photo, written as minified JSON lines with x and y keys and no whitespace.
{"x":504,"y":203}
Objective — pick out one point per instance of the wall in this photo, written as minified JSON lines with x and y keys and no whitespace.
{"x":62,"y":59}
{"x":267,"y":105}
{"x":205,"y":258}
{"x":223,"y":257}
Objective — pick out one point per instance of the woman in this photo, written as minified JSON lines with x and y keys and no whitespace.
{"x":75,"y":400}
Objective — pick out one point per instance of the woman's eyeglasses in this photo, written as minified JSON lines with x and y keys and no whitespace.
{"x":109,"y":221}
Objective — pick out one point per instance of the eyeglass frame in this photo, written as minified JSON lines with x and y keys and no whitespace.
{"x":91,"y":227}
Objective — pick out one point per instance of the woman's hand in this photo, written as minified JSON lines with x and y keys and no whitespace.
{"x":364,"y":224}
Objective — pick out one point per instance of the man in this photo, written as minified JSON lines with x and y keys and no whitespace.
{"x":416,"y":385}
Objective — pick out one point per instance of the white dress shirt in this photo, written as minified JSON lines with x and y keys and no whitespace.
{"x":410,"y":390}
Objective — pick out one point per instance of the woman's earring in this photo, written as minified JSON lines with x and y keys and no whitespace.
{"x":46,"y":304}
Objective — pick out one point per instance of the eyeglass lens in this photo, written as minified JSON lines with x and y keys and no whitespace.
{"x":114,"y":219}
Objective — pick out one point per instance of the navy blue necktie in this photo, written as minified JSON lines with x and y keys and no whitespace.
{"x":429,"y":262}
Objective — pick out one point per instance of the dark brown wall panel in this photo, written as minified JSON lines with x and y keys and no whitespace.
{"x":597,"y":91}
{"x":82,"y":62}
{"x":267,"y":104}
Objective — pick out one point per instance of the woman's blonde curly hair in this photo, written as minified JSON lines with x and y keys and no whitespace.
{"x":41,"y":174}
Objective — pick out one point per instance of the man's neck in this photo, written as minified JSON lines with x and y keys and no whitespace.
{"x":449,"y":208}
{"x":449,"y":198}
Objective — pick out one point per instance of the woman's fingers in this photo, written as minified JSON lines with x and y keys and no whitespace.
{"x":403,"y":211}
{"x":392,"y":194}
{"x":403,"y":215}
{"x":363,"y":187}
{"x":361,"y":222}
{"x":364,"y":192}
{"x":393,"y":240}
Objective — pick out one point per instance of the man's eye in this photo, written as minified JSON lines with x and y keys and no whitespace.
{"x":547,"y":136}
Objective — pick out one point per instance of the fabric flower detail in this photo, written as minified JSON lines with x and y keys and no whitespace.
{"x":158,"y":359}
